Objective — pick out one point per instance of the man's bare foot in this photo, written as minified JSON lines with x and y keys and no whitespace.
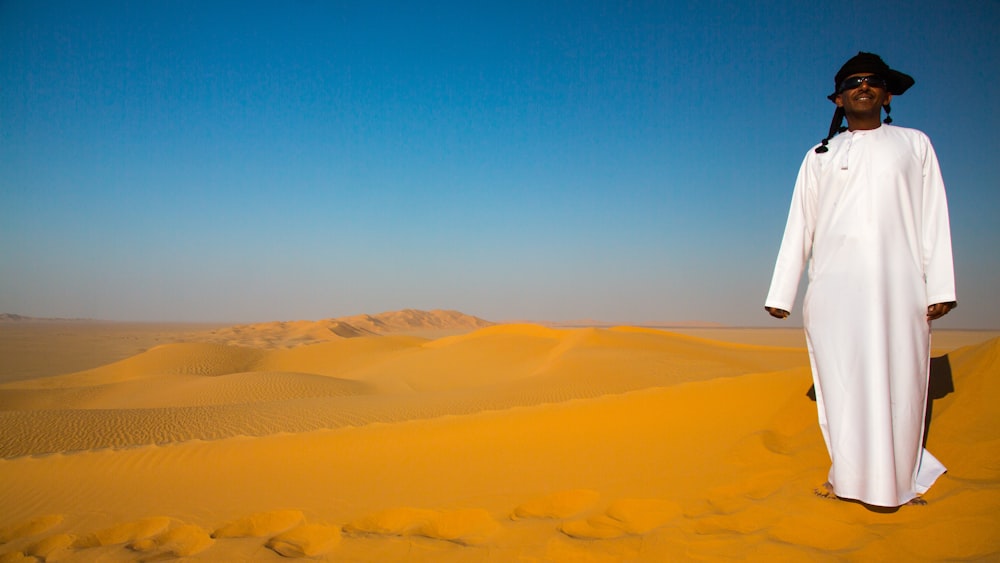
{"x":825,"y":491}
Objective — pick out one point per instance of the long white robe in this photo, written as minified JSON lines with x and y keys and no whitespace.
{"x":871,"y":218}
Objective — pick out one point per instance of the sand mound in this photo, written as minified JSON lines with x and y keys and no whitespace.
{"x":508,"y":443}
{"x":339,"y":358}
{"x":169,"y":359}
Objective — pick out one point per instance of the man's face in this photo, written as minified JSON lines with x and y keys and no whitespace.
{"x":864,"y":98}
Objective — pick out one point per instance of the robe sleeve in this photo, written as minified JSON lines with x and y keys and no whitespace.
{"x":939,"y":271}
{"x":796,"y":244}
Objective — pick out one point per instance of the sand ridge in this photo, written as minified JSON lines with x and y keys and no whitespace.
{"x":511,"y":442}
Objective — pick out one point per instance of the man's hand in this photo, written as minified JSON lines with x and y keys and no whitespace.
{"x":938,"y":310}
{"x":780,"y":313}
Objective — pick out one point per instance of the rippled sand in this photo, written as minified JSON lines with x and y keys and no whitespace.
{"x":504,"y":443}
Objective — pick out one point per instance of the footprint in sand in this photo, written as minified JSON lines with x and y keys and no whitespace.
{"x":50,"y":548}
{"x":563,"y":504}
{"x":820,"y":533}
{"x":306,"y":540}
{"x":783,"y":443}
{"x":30,"y":528}
{"x":466,"y":527}
{"x":624,"y":517}
{"x":128,"y":532}
{"x":180,"y":541}
{"x":41,"y":549}
{"x":738,"y":496}
{"x":261,"y":524}
{"x":750,"y":520}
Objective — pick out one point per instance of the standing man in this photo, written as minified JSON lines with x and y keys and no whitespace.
{"x":869,"y":214}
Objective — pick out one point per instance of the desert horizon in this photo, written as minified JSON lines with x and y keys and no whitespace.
{"x":214,"y":217}
{"x":438,"y":436}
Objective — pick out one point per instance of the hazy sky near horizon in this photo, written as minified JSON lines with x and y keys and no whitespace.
{"x":629,"y":162}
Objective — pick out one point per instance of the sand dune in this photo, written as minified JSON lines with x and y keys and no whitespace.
{"x":32,"y":349}
{"x":205,"y":391}
{"x":510,"y":442}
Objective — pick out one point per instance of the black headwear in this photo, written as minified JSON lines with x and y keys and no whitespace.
{"x":896,"y":83}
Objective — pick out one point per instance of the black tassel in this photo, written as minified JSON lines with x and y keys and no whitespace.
{"x":835,"y":127}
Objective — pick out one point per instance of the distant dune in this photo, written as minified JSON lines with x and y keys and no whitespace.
{"x":358,"y":439}
{"x":12,"y":317}
{"x":412,"y":319}
{"x":297,"y":333}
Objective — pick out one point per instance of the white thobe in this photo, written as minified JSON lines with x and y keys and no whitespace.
{"x":871,"y":218}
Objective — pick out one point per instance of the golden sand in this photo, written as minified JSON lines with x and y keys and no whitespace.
{"x":504,"y":443}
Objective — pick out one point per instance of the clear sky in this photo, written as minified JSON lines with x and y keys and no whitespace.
{"x":624,"y":161}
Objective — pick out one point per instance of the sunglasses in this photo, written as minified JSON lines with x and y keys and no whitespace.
{"x":856,"y":82}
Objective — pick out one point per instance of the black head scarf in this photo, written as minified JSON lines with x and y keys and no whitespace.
{"x":864,"y":63}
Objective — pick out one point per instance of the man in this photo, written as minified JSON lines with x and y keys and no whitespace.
{"x":869,"y":213}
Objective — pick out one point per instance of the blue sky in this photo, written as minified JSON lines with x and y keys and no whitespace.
{"x":630,"y":162}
